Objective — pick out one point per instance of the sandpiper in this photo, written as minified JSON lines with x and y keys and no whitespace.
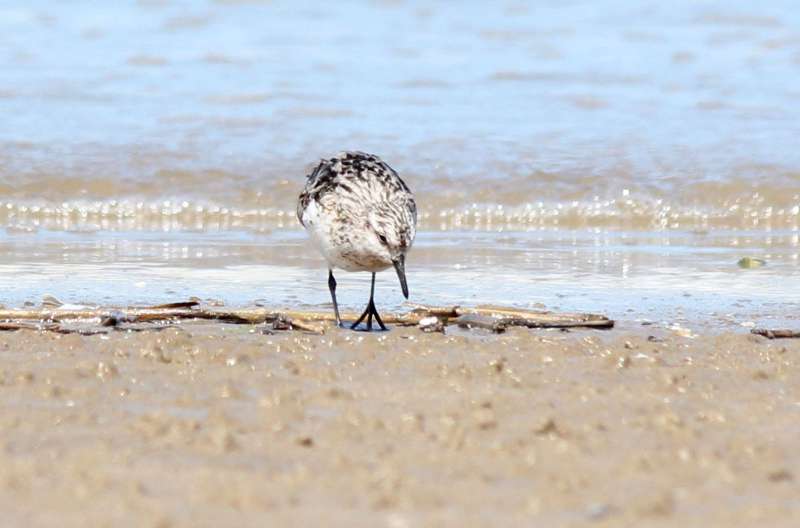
{"x":362,"y":217}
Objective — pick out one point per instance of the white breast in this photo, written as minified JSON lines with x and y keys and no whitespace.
{"x":341,"y":245}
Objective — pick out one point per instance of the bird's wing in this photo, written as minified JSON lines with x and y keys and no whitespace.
{"x":320,"y":181}
{"x":412,"y":208}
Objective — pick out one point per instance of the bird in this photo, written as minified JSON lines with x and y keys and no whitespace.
{"x":361,"y":216}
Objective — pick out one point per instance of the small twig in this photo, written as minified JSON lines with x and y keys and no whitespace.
{"x":182,"y":304}
{"x":11,"y":327}
{"x":305,"y":326}
{"x":80,"y":331}
{"x":776,"y":334}
{"x":438,"y":311}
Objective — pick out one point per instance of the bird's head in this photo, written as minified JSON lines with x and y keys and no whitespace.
{"x":393,"y":230}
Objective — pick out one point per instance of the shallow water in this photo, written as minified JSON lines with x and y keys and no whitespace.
{"x":562,"y":155}
{"x":687,"y":278}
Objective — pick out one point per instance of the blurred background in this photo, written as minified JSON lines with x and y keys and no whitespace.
{"x":606,"y":155}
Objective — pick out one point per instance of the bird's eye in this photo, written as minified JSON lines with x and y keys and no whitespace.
{"x":383,"y":240}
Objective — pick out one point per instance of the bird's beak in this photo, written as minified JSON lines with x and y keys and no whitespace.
{"x":400,"y":267}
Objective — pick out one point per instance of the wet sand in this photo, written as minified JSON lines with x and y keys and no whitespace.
{"x":210,"y":425}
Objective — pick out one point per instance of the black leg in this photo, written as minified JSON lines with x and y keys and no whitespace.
{"x":332,"y":288}
{"x":370,"y":311}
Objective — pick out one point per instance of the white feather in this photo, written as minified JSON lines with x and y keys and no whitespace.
{"x":321,"y":228}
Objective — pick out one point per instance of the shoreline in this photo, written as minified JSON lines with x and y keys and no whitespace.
{"x":686,"y":278}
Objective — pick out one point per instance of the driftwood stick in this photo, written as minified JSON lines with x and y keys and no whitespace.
{"x":48,"y":314}
{"x":303,"y":320}
{"x":533,"y":319}
{"x":438,"y":311}
{"x":776,"y":334}
{"x":12,"y":326}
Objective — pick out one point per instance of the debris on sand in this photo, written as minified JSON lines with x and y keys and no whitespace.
{"x":431,"y":324}
{"x":426,"y":318}
{"x":751,"y":262}
{"x":776,"y":334}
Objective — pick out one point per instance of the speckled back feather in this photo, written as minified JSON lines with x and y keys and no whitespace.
{"x":358,"y":176}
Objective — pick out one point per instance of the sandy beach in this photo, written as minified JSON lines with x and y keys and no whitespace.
{"x":209,"y":425}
